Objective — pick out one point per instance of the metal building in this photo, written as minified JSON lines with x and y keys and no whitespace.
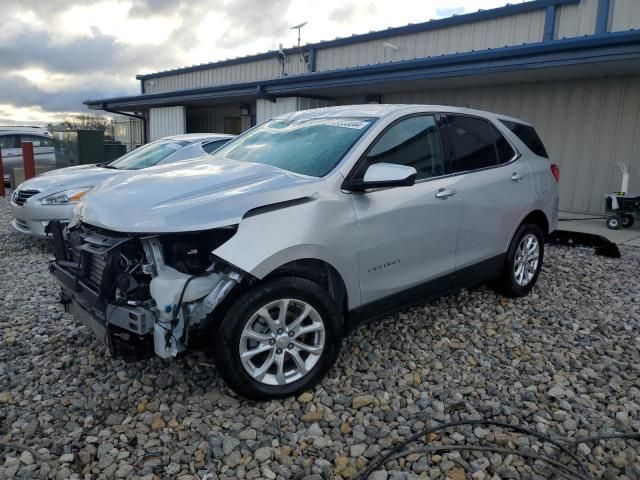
{"x":571,"y":67}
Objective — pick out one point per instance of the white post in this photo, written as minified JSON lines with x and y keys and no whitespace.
{"x":624,"y":187}
{"x":625,"y":183}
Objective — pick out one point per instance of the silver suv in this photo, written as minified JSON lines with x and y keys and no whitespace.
{"x":273,"y":250}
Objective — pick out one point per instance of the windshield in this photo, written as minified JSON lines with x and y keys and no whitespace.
{"x":307,"y":146}
{"x":147,"y":155}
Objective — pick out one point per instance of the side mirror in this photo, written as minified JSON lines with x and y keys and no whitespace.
{"x":385,"y":175}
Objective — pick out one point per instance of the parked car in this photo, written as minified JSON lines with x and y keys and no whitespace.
{"x":52,"y":195}
{"x":303,"y":227}
{"x":11,"y":139}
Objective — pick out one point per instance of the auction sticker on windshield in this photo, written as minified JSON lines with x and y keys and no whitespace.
{"x":355,"y":124}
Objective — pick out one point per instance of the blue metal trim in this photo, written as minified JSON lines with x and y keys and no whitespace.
{"x":549,"y":23}
{"x":560,"y":52}
{"x":481,"y":15}
{"x":602,"y":20}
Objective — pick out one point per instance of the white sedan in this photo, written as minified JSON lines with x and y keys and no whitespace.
{"x":52,"y":196}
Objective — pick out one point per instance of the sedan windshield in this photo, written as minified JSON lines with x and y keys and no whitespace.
{"x":307,"y":146}
{"x":147,"y":155}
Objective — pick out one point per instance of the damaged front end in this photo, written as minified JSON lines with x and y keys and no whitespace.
{"x":139,"y":293}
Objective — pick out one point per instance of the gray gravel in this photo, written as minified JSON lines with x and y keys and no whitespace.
{"x":564,"y":361}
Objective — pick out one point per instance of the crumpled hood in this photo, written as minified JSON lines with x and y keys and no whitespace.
{"x":68,"y":178}
{"x":190,"y":196}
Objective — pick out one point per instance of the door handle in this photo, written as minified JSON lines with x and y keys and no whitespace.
{"x":446,"y":192}
{"x":515,"y":176}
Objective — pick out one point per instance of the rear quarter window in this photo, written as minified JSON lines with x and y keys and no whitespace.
{"x":211,"y":147}
{"x":38,"y":141}
{"x":528,"y":135}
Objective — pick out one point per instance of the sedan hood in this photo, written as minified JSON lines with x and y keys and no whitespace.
{"x":190,"y":196}
{"x":68,"y":178}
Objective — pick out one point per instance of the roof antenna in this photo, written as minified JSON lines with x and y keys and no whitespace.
{"x":299,"y":28}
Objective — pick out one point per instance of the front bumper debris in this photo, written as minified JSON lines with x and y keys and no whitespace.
{"x":120,"y":287}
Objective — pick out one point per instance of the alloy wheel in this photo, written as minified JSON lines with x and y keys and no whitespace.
{"x":282,"y":342}
{"x":526,"y":260}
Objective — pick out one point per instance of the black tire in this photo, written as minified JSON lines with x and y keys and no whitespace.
{"x":507,"y":283}
{"x":227,"y":337}
{"x":627,"y":221}
{"x":613,"y":223}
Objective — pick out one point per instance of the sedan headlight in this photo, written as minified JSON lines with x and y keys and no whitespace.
{"x":65,"y":198}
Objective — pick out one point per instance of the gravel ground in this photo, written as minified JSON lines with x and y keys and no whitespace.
{"x":564,"y":361}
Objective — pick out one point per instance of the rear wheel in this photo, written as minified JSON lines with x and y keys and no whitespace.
{"x":278,"y":338}
{"x":627,"y":221}
{"x":524,"y":262}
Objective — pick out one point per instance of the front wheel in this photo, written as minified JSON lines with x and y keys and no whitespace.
{"x":524,"y":262}
{"x":613,"y":223}
{"x":278,"y":338}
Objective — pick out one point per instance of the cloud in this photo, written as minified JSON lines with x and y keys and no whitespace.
{"x":349,"y":12}
{"x":343,"y":14}
{"x":449,"y":12}
{"x":72,"y":50}
{"x":91,"y":53}
{"x":19,"y":92}
{"x":155,"y":7}
{"x":248,"y":19}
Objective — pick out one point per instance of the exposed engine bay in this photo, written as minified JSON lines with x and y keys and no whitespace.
{"x":142,"y":293}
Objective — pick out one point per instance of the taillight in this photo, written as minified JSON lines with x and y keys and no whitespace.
{"x":555,"y":170}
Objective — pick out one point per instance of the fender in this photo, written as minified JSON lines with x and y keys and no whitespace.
{"x":317,"y":228}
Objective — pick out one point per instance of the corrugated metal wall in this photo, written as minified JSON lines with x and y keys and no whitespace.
{"x":244,"y":72}
{"x":576,"y":20}
{"x":571,"y":21}
{"x":625,"y":15}
{"x":500,"y":32}
{"x":587,"y":126}
{"x":266,"y":109}
{"x":165,"y":121}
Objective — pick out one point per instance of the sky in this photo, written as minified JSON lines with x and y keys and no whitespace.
{"x":54,"y":54}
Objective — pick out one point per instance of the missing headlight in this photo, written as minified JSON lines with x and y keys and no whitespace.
{"x":191,"y":252}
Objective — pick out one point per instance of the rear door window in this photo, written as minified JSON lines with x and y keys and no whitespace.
{"x":413,"y":142}
{"x":528,"y":135}
{"x":472,"y":143}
